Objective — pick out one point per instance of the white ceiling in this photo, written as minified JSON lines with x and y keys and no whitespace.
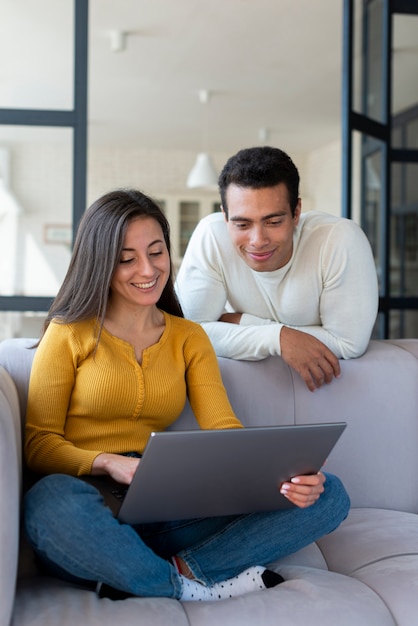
{"x":273,"y":64}
{"x":268,"y":64}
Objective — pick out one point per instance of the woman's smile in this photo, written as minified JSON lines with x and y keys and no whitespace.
{"x":145,"y":286}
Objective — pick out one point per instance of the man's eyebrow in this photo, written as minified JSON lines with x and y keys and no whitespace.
{"x":237,"y":218}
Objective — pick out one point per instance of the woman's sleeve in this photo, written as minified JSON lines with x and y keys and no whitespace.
{"x":205,"y":389}
{"x":51,"y":383}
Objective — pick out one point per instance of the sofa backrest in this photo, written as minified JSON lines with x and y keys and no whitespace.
{"x":377,"y":395}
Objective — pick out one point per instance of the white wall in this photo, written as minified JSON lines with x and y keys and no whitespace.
{"x":41,"y":183}
{"x":322,"y":183}
{"x":155,"y":172}
{"x":40,"y":176}
{"x":40,"y":180}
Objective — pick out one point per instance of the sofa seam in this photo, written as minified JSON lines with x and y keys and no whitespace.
{"x":351,"y":575}
{"x":381,"y":560}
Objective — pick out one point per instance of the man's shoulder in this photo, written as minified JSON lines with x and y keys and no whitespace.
{"x":322,"y":233}
{"x":319,"y":218}
{"x":216,"y":216}
{"x":214,"y":222}
{"x":321,"y":223}
{"x":212,"y":231}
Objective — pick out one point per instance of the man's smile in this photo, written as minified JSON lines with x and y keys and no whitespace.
{"x":260,"y":256}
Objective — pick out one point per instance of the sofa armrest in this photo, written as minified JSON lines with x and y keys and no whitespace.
{"x":10,"y":492}
{"x":410,"y":345}
{"x":16,"y":356}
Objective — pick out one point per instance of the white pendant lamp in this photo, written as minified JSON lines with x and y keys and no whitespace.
{"x":203,"y":174}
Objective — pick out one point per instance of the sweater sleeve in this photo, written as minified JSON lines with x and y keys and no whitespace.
{"x":349,"y":298}
{"x":245,"y":342}
{"x":207,"y":395}
{"x":51,"y":383}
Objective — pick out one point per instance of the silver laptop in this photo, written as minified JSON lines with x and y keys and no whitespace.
{"x":206,"y":473}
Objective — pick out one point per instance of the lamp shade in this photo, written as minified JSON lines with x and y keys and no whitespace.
{"x":203,"y":174}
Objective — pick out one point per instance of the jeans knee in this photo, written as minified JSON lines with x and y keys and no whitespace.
{"x":337,"y":496}
{"x":48,"y":501}
{"x":49,"y":490}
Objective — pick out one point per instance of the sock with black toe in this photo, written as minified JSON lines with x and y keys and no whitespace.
{"x":271,"y":579}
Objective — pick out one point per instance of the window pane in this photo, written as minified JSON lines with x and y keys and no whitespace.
{"x":404,"y":230}
{"x":403,"y":324}
{"x":379,"y":327}
{"x":404,"y":65}
{"x":412,"y":131}
{"x":189,"y":216}
{"x":368,"y":72}
{"x":35,"y":210}
{"x":357,"y":60}
{"x":20,"y":324}
{"x":405,"y":129}
{"x":371,"y":201}
{"x":36,"y":46}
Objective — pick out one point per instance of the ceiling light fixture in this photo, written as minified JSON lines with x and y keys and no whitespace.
{"x":203,"y":174}
{"x":118,"y":40}
{"x":263,"y":135}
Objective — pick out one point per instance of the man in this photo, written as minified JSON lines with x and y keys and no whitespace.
{"x":264,"y":279}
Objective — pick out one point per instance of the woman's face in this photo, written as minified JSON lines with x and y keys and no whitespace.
{"x":144,"y":265}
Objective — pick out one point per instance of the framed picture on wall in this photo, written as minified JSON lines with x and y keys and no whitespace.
{"x":58,"y":233}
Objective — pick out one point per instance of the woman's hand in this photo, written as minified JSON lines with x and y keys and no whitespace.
{"x":304,"y":491}
{"x":120,"y":468}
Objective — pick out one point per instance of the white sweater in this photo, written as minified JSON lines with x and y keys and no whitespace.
{"x":328,"y":289}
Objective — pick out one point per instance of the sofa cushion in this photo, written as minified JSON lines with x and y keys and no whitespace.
{"x":369,"y":536}
{"x":310,"y":597}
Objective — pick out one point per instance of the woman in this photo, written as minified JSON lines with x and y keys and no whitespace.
{"x":116,"y":361}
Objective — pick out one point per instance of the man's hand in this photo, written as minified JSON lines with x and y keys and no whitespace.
{"x":308,"y":356}
{"x":304,"y":491}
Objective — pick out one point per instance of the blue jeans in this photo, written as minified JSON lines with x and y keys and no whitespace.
{"x":76,"y":535}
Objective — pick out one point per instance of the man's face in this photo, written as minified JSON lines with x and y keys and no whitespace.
{"x":261,"y":225}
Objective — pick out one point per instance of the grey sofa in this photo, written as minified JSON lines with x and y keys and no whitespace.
{"x":363,"y":574}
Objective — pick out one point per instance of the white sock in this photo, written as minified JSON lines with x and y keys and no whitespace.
{"x":249,"y":580}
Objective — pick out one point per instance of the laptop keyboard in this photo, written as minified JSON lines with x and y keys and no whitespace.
{"x":119,"y":494}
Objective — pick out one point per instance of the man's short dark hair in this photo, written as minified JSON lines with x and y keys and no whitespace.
{"x":260,"y":167}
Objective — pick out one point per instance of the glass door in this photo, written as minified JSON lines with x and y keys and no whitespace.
{"x":380,"y":149}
